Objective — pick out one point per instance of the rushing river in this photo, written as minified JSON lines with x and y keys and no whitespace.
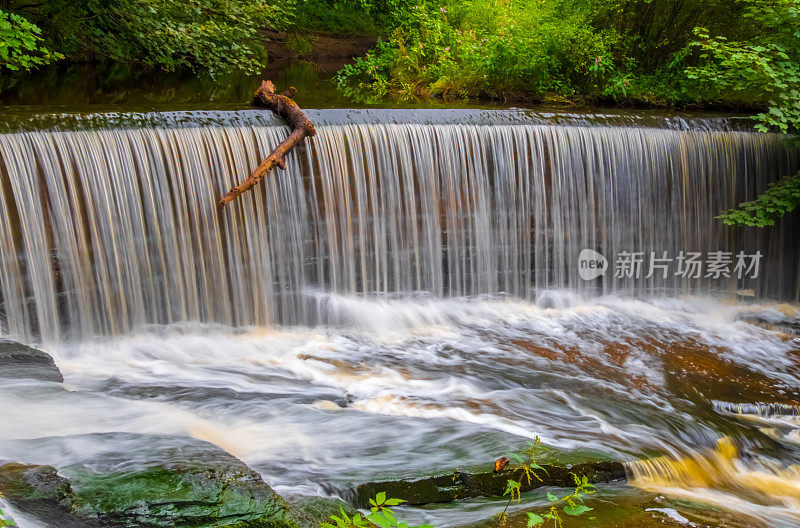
{"x":408,"y":296}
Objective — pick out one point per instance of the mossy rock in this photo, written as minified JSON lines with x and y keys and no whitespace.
{"x":190,"y":496}
{"x":39,"y":491}
{"x":484,"y":482}
{"x":183,"y":483}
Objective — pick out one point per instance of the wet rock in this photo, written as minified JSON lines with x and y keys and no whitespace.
{"x":20,"y":361}
{"x":40,"y":492}
{"x":782,"y":319}
{"x":483,"y":483}
{"x":186,"y":482}
{"x":311,"y":511}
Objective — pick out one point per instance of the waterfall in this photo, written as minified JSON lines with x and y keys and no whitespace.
{"x":106,"y":230}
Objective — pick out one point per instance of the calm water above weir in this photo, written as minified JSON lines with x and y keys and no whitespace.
{"x":407,"y":296}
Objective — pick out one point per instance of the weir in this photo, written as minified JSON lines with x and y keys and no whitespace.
{"x":106,"y":230}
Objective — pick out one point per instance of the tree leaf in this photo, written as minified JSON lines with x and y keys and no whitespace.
{"x":534,"y":520}
{"x":576,"y":509}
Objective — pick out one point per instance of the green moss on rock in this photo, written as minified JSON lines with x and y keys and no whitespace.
{"x":203,"y":494}
{"x":189,"y":483}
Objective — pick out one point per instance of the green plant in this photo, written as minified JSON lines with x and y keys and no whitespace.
{"x":4,"y":520}
{"x":20,"y":44}
{"x":569,"y":504}
{"x":780,"y":198}
{"x":763,"y":65}
{"x":526,"y":468}
{"x":381,"y":515}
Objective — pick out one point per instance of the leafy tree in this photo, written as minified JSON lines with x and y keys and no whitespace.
{"x":20,"y":44}
{"x":765,"y":66}
{"x":780,"y":198}
{"x":206,"y":35}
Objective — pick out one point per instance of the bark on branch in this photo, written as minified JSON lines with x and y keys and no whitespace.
{"x":283,"y":105}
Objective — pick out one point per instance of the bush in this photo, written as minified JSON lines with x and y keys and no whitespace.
{"x":488,"y":48}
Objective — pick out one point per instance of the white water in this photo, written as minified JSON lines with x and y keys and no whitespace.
{"x":429,"y":384}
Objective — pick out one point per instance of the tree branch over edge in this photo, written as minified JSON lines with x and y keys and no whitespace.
{"x":282,"y":105}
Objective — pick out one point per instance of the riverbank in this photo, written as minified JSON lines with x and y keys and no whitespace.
{"x":310,"y":61}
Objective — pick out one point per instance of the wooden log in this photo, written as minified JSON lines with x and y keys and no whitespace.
{"x":282,"y":105}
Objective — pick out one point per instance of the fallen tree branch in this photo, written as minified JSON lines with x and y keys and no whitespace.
{"x":283,"y":105}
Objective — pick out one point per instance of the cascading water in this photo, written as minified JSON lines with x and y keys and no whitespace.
{"x":105,"y":231}
{"x":405,"y":296}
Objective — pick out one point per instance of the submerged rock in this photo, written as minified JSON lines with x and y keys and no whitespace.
{"x":20,"y":361}
{"x":465,"y":484}
{"x":784,"y":318}
{"x":186,"y":482}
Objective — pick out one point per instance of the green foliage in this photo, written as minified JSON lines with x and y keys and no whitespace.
{"x":344,"y":521}
{"x":381,"y":515}
{"x":527,"y":468}
{"x":513,"y":488}
{"x":560,"y":50}
{"x":205,"y":35}
{"x":483,"y":48}
{"x":568,"y":504}
{"x":780,"y":198}
{"x":4,"y":520}
{"x":342,"y":17}
{"x":20,"y":44}
{"x":764,"y":66}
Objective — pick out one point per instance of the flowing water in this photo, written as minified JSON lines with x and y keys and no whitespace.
{"x":407,"y":295}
